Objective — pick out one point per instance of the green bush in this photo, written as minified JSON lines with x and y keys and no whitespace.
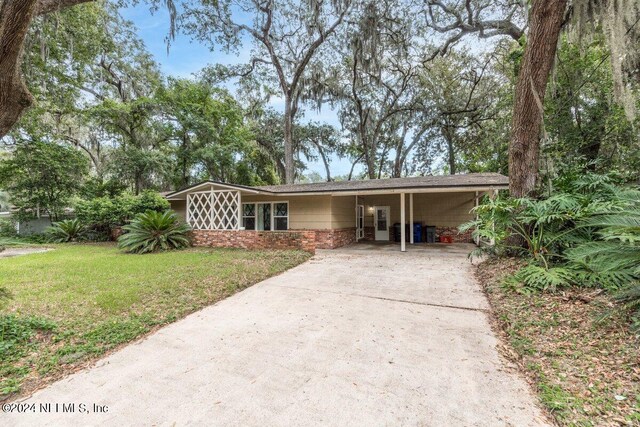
{"x":154,"y":231}
{"x":586,"y":234}
{"x":104,"y":213}
{"x":7,"y":228}
{"x":69,"y":230}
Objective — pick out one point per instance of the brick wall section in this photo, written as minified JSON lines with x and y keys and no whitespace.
{"x":331,"y":239}
{"x":369,"y":233}
{"x":248,"y":239}
{"x":453,"y":232}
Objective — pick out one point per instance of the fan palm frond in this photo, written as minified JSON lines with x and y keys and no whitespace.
{"x":154,"y":231}
{"x":69,"y":230}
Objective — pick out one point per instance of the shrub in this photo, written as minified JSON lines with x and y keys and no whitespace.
{"x":104,"y":213}
{"x":69,"y":230}
{"x":8,"y":228}
{"x":153,"y":231}
{"x":587,"y":233}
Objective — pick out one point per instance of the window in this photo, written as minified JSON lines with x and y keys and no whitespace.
{"x":281,"y":216}
{"x":265,"y":216}
{"x":249,"y":216}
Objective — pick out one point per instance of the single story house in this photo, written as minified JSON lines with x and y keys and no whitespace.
{"x":330,"y":214}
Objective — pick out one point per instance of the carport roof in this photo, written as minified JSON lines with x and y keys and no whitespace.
{"x":435,"y":182}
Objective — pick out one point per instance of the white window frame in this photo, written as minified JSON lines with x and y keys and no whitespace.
{"x":273,"y":210}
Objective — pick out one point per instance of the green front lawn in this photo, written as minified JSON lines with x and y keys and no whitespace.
{"x":68,"y":306}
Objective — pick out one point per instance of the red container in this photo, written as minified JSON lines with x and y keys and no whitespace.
{"x":446,"y":239}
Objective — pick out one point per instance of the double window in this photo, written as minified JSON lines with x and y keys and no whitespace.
{"x":265,"y":216}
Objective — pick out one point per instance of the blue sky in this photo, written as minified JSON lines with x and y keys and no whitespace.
{"x":186,"y":57}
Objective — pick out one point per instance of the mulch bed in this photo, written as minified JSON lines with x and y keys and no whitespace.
{"x":585,"y":369}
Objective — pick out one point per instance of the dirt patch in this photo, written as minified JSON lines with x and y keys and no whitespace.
{"x":11,"y":252}
{"x":586,"y":370}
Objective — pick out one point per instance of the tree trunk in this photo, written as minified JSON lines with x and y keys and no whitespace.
{"x":185,"y":167}
{"x":451,"y":154}
{"x":452,"y":158}
{"x":545,"y":23}
{"x":326,"y":165}
{"x":15,"y":17}
{"x":289,"y":166}
{"x":353,"y":166}
{"x":370,"y":159}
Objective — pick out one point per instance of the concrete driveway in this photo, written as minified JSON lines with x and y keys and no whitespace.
{"x":364,"y":336}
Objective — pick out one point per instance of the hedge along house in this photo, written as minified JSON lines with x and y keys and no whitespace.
{"x":330,"y":214}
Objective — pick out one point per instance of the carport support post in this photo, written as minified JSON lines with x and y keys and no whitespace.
{"x":403,"y":221}
{"x":411,"y":218}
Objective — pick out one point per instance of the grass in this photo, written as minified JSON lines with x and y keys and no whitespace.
{"x":586,"y":370}
{"x":68,"y":306}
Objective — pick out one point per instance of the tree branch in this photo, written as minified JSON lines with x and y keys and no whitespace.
{"x":48,"y":6}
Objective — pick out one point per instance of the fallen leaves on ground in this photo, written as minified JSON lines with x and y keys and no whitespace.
{"x":577,"y":352}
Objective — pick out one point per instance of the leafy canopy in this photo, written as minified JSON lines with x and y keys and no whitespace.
{"x":43,"y":177}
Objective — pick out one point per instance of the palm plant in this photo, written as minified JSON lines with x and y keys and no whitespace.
{"x":154,"y":231}
{"x":560,"y":232}
{"x":613,"y":260}
{"x":69,"y":230}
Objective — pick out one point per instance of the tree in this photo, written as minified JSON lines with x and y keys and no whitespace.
{"x":460,"y":92}
{"x":584,"y":123}
{"x":310,"y":140}
{"x":619,"y":18}
{"x":224,"y":146}
{"x":124,"y":85}
{"x":15,"y":19}
{"x":323,"y":139}
{"x":94,"y":84}
{"x":545,"y":22}
{"x":286,"y":36}
{"x":207,"y":129}
{"x":42,"y":177}
{"x":61,"y":65}
{"x":373,"y":85}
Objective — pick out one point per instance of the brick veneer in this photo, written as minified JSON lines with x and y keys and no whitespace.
{"x":453,"y":232}
{"x":306,"y":240}
{"x":249,"y":239}
{"x":331,"y":239}
{"x":369,"y":233}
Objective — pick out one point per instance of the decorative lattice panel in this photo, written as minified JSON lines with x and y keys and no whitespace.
{"x":213,"y":210}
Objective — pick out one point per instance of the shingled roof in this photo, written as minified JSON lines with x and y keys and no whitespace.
{"x":433,"y":181}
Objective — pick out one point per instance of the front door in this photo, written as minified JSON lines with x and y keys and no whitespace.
{"x":381,"y":222}
{"x":359,"y":222}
